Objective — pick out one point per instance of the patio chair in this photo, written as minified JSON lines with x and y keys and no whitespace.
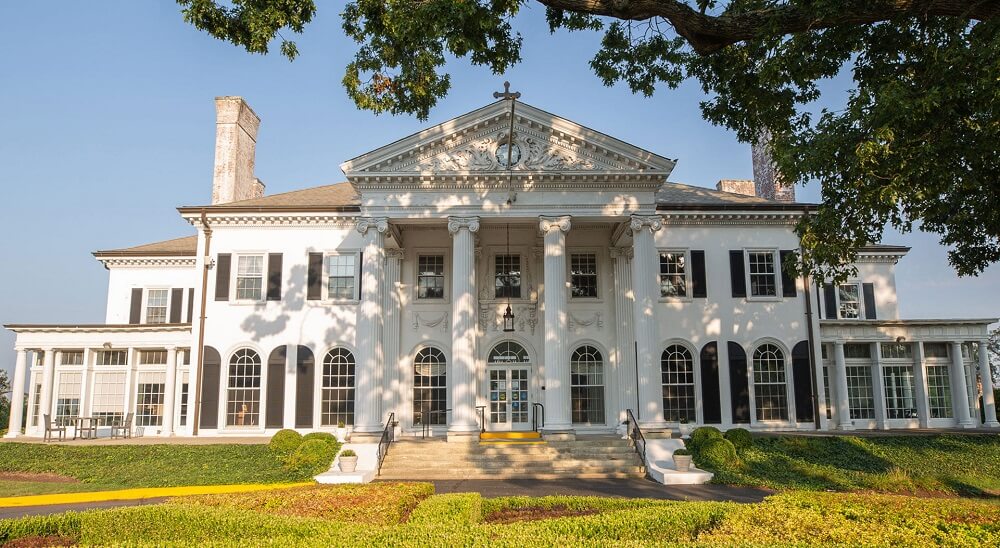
{"x":53,"y":429}
{"x":125,"y":428}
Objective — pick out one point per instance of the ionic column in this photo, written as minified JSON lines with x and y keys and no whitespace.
{"x":624,"y":336}
{"x":559,"y":418}
{"x":390,"y":332}
{"x":645,"y":269}
{"x":462,"y":377}
{"x":368,"y":399}
{"x":17,"y":394}
{"x":989,"y":405}
{"x":878,"y":386}
{"x":169,"y":391}
{"x":920,"y":380}
{"x":959,"y":388}
{"x":48,"y":374}
{"x":840,"y":378}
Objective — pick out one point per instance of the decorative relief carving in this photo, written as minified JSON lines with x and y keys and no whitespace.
{"x":621,"y":252}
{"x":457,"y":223}
{"x":380,"y":224}
{"x":395,"y":254}
{"x":525,"y":317}
{"x":441,"y":320}
{"x":595,"y":320}
{"x":538,"y":154}
{"x":639,"y":222}
{"x":562,"y":223}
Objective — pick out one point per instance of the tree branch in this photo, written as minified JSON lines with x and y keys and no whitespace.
{"x":710,"y":33}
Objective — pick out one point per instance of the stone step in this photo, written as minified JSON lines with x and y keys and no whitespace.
{"x":489,"y":464}
{"x":435,"y":474}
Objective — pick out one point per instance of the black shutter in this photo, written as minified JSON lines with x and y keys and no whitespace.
{"x":739,"y":384}
{"x":275,"y":388}
{"x":869,"y":292}
{"x":135,"y":306}
{"x":737,"y":273}
{"x":305,"y":369}
{"x":788,"y":288}
{"x":710,"y":398}
{"x":802,"y":377}
{"x":222,"y":265}
{"x":314,"y":285}
{"x":176,"y":302}
{"x":358,"y":276}
{"x":274,"y":277}
{"x":211,"y":366}
{"x":190,"y":315}
{"x":698,"y":289}
{"x":830,"y":301}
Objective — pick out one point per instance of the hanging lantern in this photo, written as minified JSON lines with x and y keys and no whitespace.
{"x":508,"y":320}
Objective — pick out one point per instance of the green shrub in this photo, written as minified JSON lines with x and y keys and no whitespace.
{"x":348,"y":453}
{"x":682,"y":452}
{"x":312,"y":457}
{"x":284,"y":442}
{"x":740,"y":438}
{"x":701,"y":435}
{"x":717,"y":454}
{"x":321,"y":436}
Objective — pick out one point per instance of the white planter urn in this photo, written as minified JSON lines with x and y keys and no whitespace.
{"x":348,"y":464}
{"x":682,"y":462}
{"x":342,"y":434}
{"x":685,"y":429}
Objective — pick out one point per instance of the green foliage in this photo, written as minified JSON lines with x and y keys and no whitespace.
{"x":312,"y":457}
{"x":740,"y":438}
{"x":456,"y":509}
{"x":284,"y":442}
{"x":126,"y":466}
{"x":348,"y":453}
{"x":717,"y":454}
{"x":682,"y":452}
{"x":324,"y":437}
{"x":5,"y":399}
{"x":701,"y":435}
{"x":251,"y":25}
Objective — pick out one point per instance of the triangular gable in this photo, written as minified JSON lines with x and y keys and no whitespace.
{"x":476,"y":144}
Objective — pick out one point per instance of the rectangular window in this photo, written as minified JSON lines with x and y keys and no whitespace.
{"x":152,"y":357}
{"x":897,"y":351}
{"x":68,"y":400}
{"x":71,"y":357}
{"x":849,"y":296}
{"x":763,"y":277}
{"x":936,"y":350}
{"x":36,"y":404}
{"x":857,"y":351}
{"x":507,"y":276}
{"x":430,"y":277}
{"x":156,"y":305}
{"x":826,"y":390}
{"x":340,"y":272}
{"x":109,"y":398}
{"x":250,"y":278}
{"x":583,"y":275}
{"x":182,"y":420}
{"x":899,"y":391}
{"x":673,"y":274}
{"x":149,"y":398}
{"x":112,"y":357}
{"x":938,"y":391}
{"x":860,"y":393}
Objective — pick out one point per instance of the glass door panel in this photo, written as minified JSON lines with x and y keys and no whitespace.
{"x":519,"y":397}
{"x":499,"y":391}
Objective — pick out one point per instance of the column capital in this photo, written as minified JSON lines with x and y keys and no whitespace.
{"x":546,"y":223}
{"x":621,"y":252}
{"x":395,"y":254}
{"x":639,"y":222}
{"x":457,"y":223}
{"x":380,"y":224}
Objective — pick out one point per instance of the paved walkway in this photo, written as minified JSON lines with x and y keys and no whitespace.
{"x":617,"y":488}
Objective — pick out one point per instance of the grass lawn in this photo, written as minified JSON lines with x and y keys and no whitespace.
{"x":99,"y":468}
{"x":963,"y":465}
{"x":407,"y":515}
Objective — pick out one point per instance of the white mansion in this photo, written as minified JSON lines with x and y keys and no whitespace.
{"x":466,"y":283}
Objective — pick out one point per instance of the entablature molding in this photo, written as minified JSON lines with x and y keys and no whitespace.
{"x":731,"y":218}
{"x":148,"y":262}
{"x":832,"y":331}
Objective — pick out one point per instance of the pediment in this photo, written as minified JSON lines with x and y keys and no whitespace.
{"x":476,"y":144}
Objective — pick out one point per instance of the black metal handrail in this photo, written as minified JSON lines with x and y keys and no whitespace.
{"x":383,"y":443}
{"x":535,"y":422}
{"x":481,"y":412}
{"x":425,"y":426}
{"x":634,"y":434}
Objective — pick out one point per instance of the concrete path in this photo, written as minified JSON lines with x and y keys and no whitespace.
{"x":618,"y":488}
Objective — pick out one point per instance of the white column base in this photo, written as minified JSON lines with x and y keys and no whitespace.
{"x":992,"y":424}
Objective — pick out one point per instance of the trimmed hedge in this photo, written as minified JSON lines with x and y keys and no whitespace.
{"x":701,"y":435}
{"x":312,"y":457}
{"x":284,"y":442}
{"x":717,"y":454}
{"x":325,"y":437}
{"x":740,"y":438}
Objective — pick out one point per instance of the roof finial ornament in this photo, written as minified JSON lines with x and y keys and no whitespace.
{"x":506,"y":94}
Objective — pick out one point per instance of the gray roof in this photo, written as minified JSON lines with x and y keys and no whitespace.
{"x":178,"y":247}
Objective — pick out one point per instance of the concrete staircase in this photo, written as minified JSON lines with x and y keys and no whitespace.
{"x":589,"y":457}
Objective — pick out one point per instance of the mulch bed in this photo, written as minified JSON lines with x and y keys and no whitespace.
{"x":40,"y":542}
{"x":536,"y":514}
{"x":37,"y":477}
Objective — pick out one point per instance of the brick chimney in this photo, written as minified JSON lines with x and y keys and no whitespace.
{"x":737,"y":186}
{"x":235,"y":146}
{"x":768,"y":181}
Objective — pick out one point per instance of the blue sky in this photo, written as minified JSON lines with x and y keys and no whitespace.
{"x":107,"y":124}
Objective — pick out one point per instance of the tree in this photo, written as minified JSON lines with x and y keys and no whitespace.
{"x":5,"y":399}
{"x":993,"y":346}
{"x":916,"y":143}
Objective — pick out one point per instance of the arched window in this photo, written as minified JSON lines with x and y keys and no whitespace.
{"x":587,"y":385}
{"x":243,"y":389}
{"x":430,"y":387}
{"x":769,"y":388}
{"x":508,"y":352}
{"x":677,"y":377}
{"x":338,"y":388}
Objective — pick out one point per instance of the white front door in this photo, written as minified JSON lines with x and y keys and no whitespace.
{"x":509,"y":405}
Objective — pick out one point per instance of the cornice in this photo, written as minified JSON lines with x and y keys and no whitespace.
{"x":520,"y":181}
{"x":278,"y":219}
{"x":100,"y":328}
{"x":146,"y":262}
{"x":783,"y":218}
